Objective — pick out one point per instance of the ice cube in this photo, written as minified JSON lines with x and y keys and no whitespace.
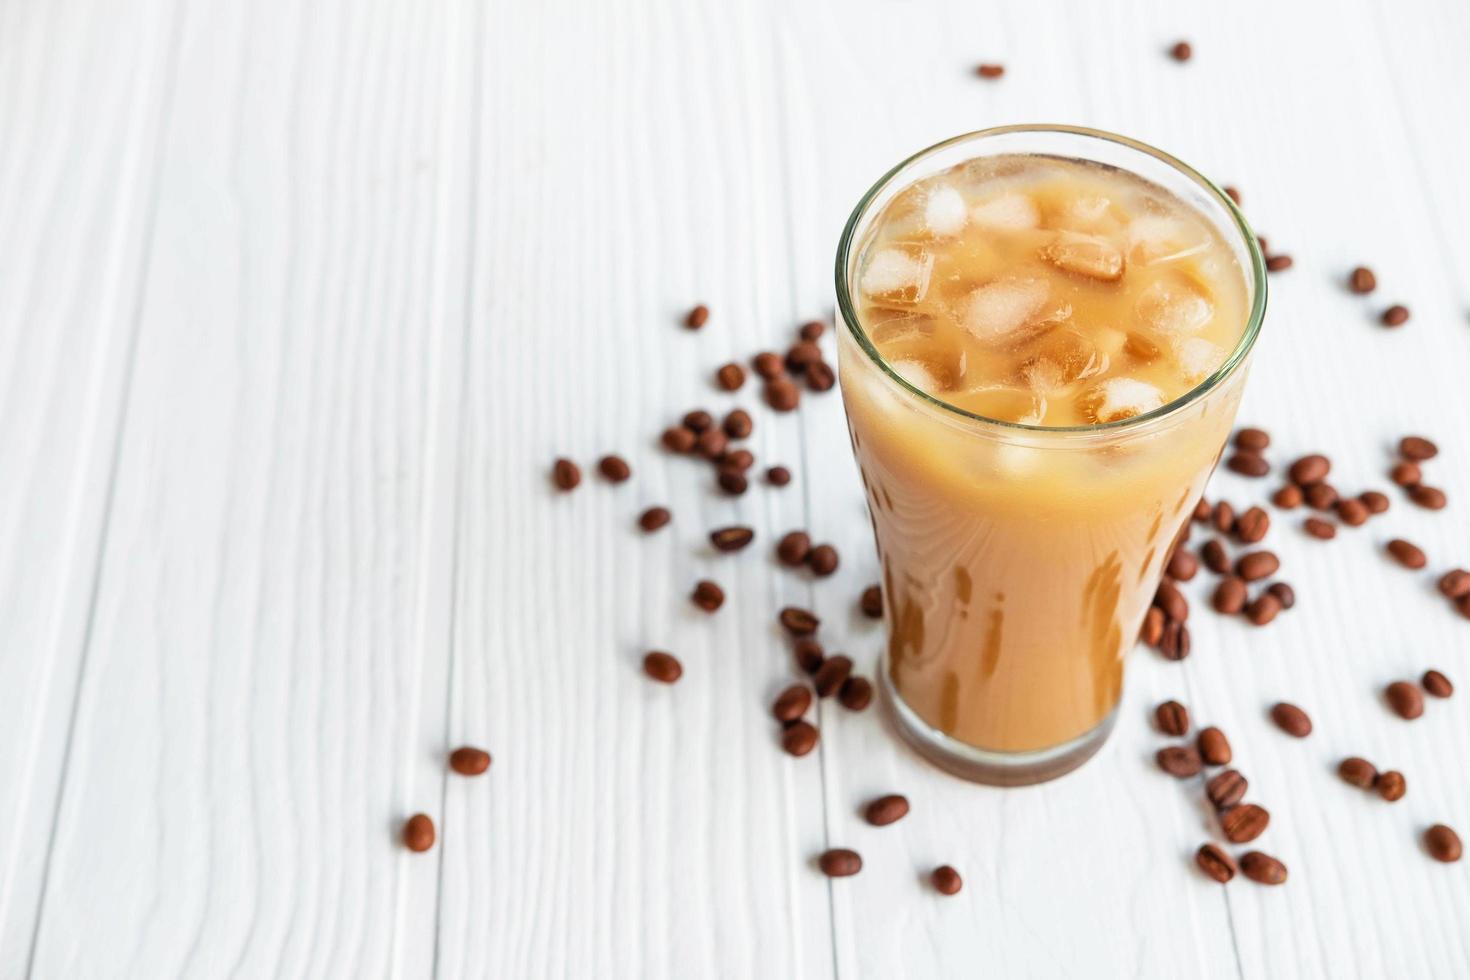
{"x":1175,"y":306}
{"x":1157,"y":238}
{"x":1007,"y":404}
{"x":1061,"y":359}
{"x":934,"y":371}
{"x":1198,"y":358}
{"x":1141,"y":348}
{"x":1109,"y":341}
{"x":945,"y":213}
{"x":1091,"y":256}
{"x":897,"y":326}
{"x":1115,"y":399}
{"x":916,"y":373}
{"x":1086,"y":213}
{"x":1004,"y":310}
{"x":899,"y":273}
{"x":1008,"y":212}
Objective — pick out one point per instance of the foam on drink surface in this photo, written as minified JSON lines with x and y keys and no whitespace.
{"x":1049,"y":291}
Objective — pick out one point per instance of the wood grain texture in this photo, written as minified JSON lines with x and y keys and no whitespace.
{"x":297,"y":306}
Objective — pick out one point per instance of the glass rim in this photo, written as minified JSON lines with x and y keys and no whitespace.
{"x":1222,"y":373}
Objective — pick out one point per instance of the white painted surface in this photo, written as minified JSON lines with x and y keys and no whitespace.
{"x":297,"y":303}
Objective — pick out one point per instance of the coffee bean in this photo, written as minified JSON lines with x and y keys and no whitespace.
{"x":1201,"y":511}
{"x":768,"y":365}
{"x":840,"y":862}
{"x":731,"y":538}
{"x":615,"y":469}
{"x":1183,"y":566}
{"x":801,"y":355}
{"x":1230,"y":596}
{"x":565,"y":475}
{"x":1152,"y":632}
{"x":1252,"y":440}
{"x":1417,"y":448}
{"x":1172,"y":601}
{"x":712,"y":443}
{"x":1406,"y":554}
{"x":792,"y":703}
{"x":1263,"y":609}
{"x":697,"y":317}
{"x":886,"y":810}
{"x":1172,"y":718}
{"x":1320,"y":529}
{"x":811,"y":330}
{"x":1284,"y":594}
{"x":708,"y":596}
{"x":1215,"y":556}
{"x":829,"y":677}
{"x":740,"y":460}
{"x":1391,"y":785}
{"x":732,"y":481}
{"x":738,"y":424}
{"x":654,"y":518}
{"x":822,"y":560}
{"x":1214,"y":747}
{"x":1181,"y":51}
{"x":1291,"y":719}
{"x":1455,"y":584}
{"x":1175,"y":643}
{"x":1278,"y":263}
{"x":799,"y":738}
{"x":1261,"y":244}
{"x":856,"y":693}
{"x":1443,"y":844}
{"x":1437,"y":684}
{"x":1257,"y":565}
{"x":1321,"y":496}
{"x":469,"y":761}
{"x":1262,"y":868}
{"x":1362,"y":280}
{"x":793,"y":548}
{"x":990,"y":71}
{"x":1288,"y":497}
{"x":662,"y":667}
{"x":1215,"y":862}
{"x":1310,"y":470}
{"x":679,"y":439}
{"x":1406,"y":474}
{"x":698,"y":420}
{"x":1395,"y":316}
{"x":820,"y":376}
{"x":1376,"y":502}
{"x":1224,"y":517}
{"x":946,"y":880}
{"x":1357,"y":772}
{"x":1244,"y":822}
{"x":799,"y":622}
{"x":809,"y":655}
{"x":1180,"y":761}
{"x":782,"y":395}
{"x":1463,"y":605}
{"x":418,"y":832}
{"x":730,"y":377}
{"x":871,"y":602}
{"x":1405,"y":700}
{"x":1232,"y":193}
{"x":1226,"y":789}
{"x":1252,"y":526}
{"x":1248,"y":464}
{"x":1352,"y":511}
{"x":778,"y":476}
{"x":1430,"y":498}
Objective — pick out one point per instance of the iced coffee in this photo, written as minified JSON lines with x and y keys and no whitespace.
{"x":1047,"y":335}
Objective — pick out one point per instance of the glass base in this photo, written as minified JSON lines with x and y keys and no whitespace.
{"x":982,"y":765}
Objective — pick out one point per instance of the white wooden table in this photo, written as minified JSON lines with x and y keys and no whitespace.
{"x":299,"y":301}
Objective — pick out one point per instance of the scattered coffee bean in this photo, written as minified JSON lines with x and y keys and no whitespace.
{"x":615,"y":469}
{"x":822,"y":560}
{"x":855,"y":694}
{"x":1310,"y":470}
{"x":418,"y":832}
{"x":730,"y":377}
{"x":1405,"y":700}
{"x":1376,"y":502}
{"x":820,"y":376}
{"x":469,"y":761}
{"x":946,"y":880}
{"x":1321,"y":496}
{"x":1248,"y":464}
{"x":1252,"y":526}
{"x":1437,"y":684}
{"x":740,"y":460}
{"x":1232,"y":193}
{"x":708,"y":596}
{"x":1261,"y":244}
{"x":1352,"y":511}
{"x":1288,"y":497}
{"x":1291,"y":720}
{"x":738,"y":424}
{"x":1463,"y":605}
{"x":566,"y":476}
{"x":1226,"y":789}
{"x":662,"y":667}
{"x":1406,"y":554}
{"x":1175,"y":643}
{"x":809,"y":655}
{"x":792,"y":703}
{"x":1357,"y":772}
{"x":1320,"y":529}
{"x":732,"y":481}
{"x":1417,"y":449}
{"x":811,"y":330}
{"x":697,"y":317}
{"x":731,"y":538}
{"x":839,"y":862}
{"x":1395,"y":316}
{"x":1224,"y":517}
{"x":793,"y":548}
{"x":782,"y":395}
{"x":886,"y":810}
{"x":1262,"y":868}
{"x":1443,"y":844}
{"x":1252,"y":440}
{"x":1244,"y":822}
{"x":1257,"y":565}
{"x":1284,"y":594}
{"x":1172,"y":601}
{"x":1263,"y":609}
{"x":1215,"y":556}
{"x":1455,"y":584}
{"x":1230,"y":596}
{"x":778,"y":476}
{"x":654,"y":518}
{"x":679,"y":439}
{"x":1391,"y":785}
{"x":799,"y":622}
{"x":990,"y":71}
{"x":1430,"y":498}
{"x":1201,"y":511}
{"x":698,"y":420}
{"x":1362,"y":280}
{"x":712,"y":443}
{"x":1152,"y":633}
{"x":1180,"y":761}
{"x":1172,"y":718}
{"x":802,"y":355}
{"x":1214,"y":747}
{"x":799,"y":738}
{"x":768,"y":365}
{"x":829,"y":677}
{"x":871,"y":602}
{"x":1406,"y":474}
{"x":1181,"y":51}
{"x":1183,"y":566}
{"x":1213,"y":861}
{"x":1278,"y":263}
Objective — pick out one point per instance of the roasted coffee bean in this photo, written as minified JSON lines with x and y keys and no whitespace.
{"x":811,"y":330}
{"x":820,"y":376}
{"x":886,"y":810}
{"x":654,"y":518}
{"x":1288,"y":497}
{"x":1257,"y":565}
{"x":1183,"y":565}
{"x":1252,"y":440}
{"x":768,"y":365}
{"x":1248,"y":464}
{"x":1391,"y":785}
{"x":1180,"y":761}
{"x":740,"y":460}
{"x":793,"y":548}
{"x":1406,"y":474}
{"x":1417,"y":448}
{"x":614,"y":468}
{"x":1181,"y":51}
{"x":799,"y":622}
{"x":799,"y":738}
{"x":1278,"y":263}
{"x":1284,"y":594}
{"x":418,"y":832}
{"x":708,"y":596}
{"x":802,"y":355}
{"x":946,"y":880}
{"x":782,"y":395}
{"x":469,"y":761}
{"x":1175,"y":643}
{"x":1172,"y":718}
{"x":1352,"y":511}
{"x":1214,"y":747}
{"x":1362,"y":280}
{"x":1201,"y":511}
{"x":662,"y":667}
{"x":1321,"y":496}
{"x":1226,"y":789}
{"x":566,"y":475}
{"x":778,"y":476}
{"x":1395,"y":316}
{"x":730,"y":377}
{"x":1437,"y":684}
{"x":1252,"y":526}
{"x":1463,"y":605}
{"x":732,"y":481}
{"x":731,"y":538}
{"x":990,"y":71}
{"x":829,"y":677}
{"x":1232,"y":193}
{"x":822,"y":560}
{"x":1152,"y":633}
{"x":1262,"y":868}
{"x":698,"y":420}
{"x":679,"y":439}
{"x":1291,"y":720}
{"x":1430,"y":498}
{"x":1213,"y":861}
{"x":1223,"y":517}
{"x":1310,"y":470}
{"x":808,"y":654}
{"x":1406,"y":554}
{"x":1455,"y":584}
{"x":1216,"y":558}
{"x":712,"y":443}
{"x":1376,"y":502}
{"x":792,"y":703}
{"x":697,"y":317}
{"x":1261,"y":244}
{"x":871,"y":602}
{"x":1172,"y":601}
{"x":1230,"y":596}
{"x":1320,"y":529}
{"x":1244,"y":822}
{"x":738,"y":424}
{"x":856,"y":693}
{"x":1405,"y":699}
{"x":1357,"y":772}
{"x":1443,"y":844}
{"x":1262,"y":609}
{"x":840,"y":862}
